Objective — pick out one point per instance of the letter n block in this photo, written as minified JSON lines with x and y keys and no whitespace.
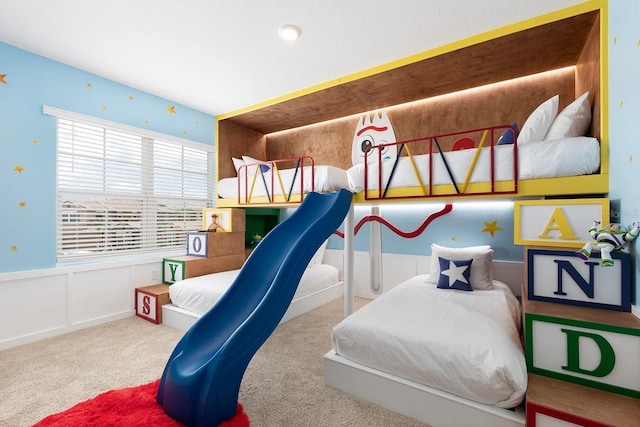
{"x":559,"y":276}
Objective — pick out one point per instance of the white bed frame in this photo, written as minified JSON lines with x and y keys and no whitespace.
{"x":182,"y":319}
{"x":423,"y":403}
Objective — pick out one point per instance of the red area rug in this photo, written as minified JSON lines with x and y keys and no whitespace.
{"x":133,"y":406}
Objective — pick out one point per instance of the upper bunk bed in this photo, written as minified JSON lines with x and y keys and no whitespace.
{"x":473,"y":89}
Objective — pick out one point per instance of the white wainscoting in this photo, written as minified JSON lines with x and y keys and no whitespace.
{"x":44,"y":303}
{"x":396,"y":268}
{"x":39,"y":304}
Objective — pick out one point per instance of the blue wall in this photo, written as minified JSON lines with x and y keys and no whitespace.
{"x":624,"y":113}
{"x":27,"y":234}
{"x":27,"y":138}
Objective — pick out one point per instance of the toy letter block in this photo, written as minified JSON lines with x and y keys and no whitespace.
{"x":557,"y":223}
{"x":540,"y":416}
{"x":205,"y":244}
{"x":595,"y":355}
{"x":149,"y":299}
{"x":555,"y":403}
{"x":561,"y":277}
{"x":184,"y":267}
{"x":229,"y":219}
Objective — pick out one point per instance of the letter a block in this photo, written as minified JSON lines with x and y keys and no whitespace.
{"x":557,"y":223}
{"x":587,"y":353}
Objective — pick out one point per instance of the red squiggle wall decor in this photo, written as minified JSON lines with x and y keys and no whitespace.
{"x":409,"y":235}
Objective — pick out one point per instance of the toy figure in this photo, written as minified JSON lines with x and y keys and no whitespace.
{"x":256,"y":239}
{"x":611,"y":238}
{"x":215,"y":226}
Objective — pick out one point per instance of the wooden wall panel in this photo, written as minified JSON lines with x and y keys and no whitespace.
{"x":498,"y":104}
{"x":236,"y":141}
{"x":588,"y":77}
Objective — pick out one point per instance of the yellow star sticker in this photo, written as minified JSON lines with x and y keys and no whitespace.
{"x":89,"y":85}
{"x":171,"y":109}
{"x":36,"y":141}
{"x":491,"y":227}
{"x":104,"y":107}
{"x":2,"y":80}
{"x":18,"y":169}
{"x":14,"y":248}
{"x":130,"y":97}
{"x":22,"y":204}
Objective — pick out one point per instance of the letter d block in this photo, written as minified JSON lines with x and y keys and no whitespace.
{"x":591,"y":354}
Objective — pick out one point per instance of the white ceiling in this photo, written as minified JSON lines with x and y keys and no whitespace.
{"x":218,"y":56}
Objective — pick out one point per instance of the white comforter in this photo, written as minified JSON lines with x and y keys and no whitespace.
{"x":325,"y":180}
{"x":539,"y":159}
{"x":466,"y":343}
{"x":199,"y":294}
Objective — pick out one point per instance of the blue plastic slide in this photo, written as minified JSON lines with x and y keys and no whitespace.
{"x":201,"y":381}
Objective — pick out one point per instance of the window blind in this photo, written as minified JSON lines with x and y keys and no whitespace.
{"x":121,"y":193}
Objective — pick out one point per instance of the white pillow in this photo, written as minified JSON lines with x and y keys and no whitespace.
{"x":319,"y":255}
{"x":250,"y":160}
{"x":573,"y":120}
{"x":237,"y":163}
{"x":482,"y":256}
{"x":251,"y":170}
{"x":538,"y":123}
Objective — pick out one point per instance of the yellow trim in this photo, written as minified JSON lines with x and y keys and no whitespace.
{"x":530,"y":188}
{"x":415,"y":170}
{"x":517,"y":219}
{"x":568,"y":12}
{"x":474,"y":160}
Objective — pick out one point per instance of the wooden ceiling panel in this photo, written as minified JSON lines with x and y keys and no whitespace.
{"x":542,"y":48}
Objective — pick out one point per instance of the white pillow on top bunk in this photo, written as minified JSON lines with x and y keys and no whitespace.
{"x":537,"y":125}
{"x":482,"y":256}
{"x":573,"y":120}
{"x":237,"y":163}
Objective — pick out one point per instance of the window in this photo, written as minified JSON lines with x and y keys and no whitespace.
{"x":121,"y":192}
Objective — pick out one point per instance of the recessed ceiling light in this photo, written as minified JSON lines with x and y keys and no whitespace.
{"x":289,"y":32}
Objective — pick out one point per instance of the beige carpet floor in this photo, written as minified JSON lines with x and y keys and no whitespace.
{"x":283,"y":385}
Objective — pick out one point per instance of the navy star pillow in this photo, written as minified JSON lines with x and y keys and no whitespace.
{"x":454,"y":274}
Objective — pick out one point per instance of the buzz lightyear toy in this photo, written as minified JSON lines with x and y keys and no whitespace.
{"x":613,"y":237}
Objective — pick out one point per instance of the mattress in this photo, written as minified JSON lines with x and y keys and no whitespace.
{"x":465,"y":343}
{"x":198,"y":294}
{"x":539,"y":159}
{"x":325,"y":180}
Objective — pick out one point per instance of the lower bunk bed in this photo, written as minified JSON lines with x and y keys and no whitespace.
{"x":191,"y":298}
{"x":439,"y":354}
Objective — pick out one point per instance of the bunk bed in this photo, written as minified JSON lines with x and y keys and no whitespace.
{"x":484,"y":84}
{"x":279,"y":181}
{"x":551,"y":145}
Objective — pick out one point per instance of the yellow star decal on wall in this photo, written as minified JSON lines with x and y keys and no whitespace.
{"x":22,"y":204}
{"x":491,"y":227}
{"x":2,"y":79}
{"x":18,"y":169}
{"x":171,"y":109}
{"x":14,"y":248}
{"x":89,"y":85}
{"x":130,"y":97}
{"x":36,"y":141}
